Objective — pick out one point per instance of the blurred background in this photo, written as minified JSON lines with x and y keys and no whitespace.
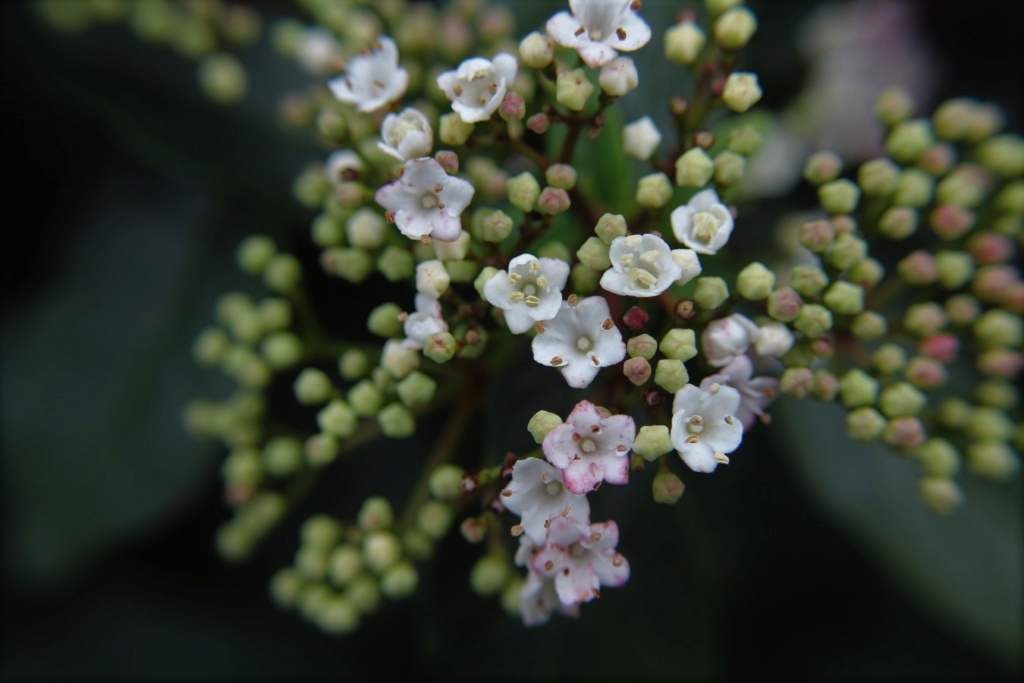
{"x":126,"y":191}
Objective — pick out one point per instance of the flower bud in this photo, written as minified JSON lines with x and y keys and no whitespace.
{"x":807,"y":280}
{"x":684,"y":42}
{"x":671,"y":375}
{"x":652,"y":441}
{"x":955,"y":268}
{"x":679,"y":344}
{"x":312,"y":387}
{"x":904,"y":433}
{"x":384,"y":320}
{"x":654,"y":191}
{"x":893,"y":106}
{"x":223,"y":78}
{"x":844,"y":298}
{"x":354,"y":265}
{"x":432,"y":278}
{"x":642,"y":346}
{"x":445,"y":482}
{"x":1011,"y":198}
{"x":784,"y":305}
{"x":541,"y":423}
{"x":452,"y":130}
{"x":914,"y":188}
{"x":254,"y":253}
{"x":321,"y":449}
{"x":637,"y":370}
{"x":735,"y":28}
{"x":536,"y":51}
{"x":523,"y":191}
{"x":553,"y":201}
{"x":440,"y":347}
{"x":796,"y":382}
{"x":839,"y":196}
{"x":489,"y":575}
{"x":826,"y":385}
{"x":210,"y":346}
{"x":878,"y":177}
{"x":641,"y":138}
{"x":744,"y":140}
{"x":619,"y":77}
{"x":755,"y":281}
{"x":434,"y":519}
{"x":775,"y":340}
{"x":925,"y":373}
{"x":710,"y":292}
{"x":399,"y":581}
{"x":282,"y":456}
{"x":282,"y":273}
{"x":398,"y":361}
{"x":610,"y":226}
{"x":813,"y":320}
{"x":865,"y":424}
{"x":822,"y":167}
{"x":396,"y":264}
{"x":416,"y":389}
{"x":512,"y":107}
{"x":941,"y":494}
{"x":950,"y":221}
{"x":694,"y":168}
{"x":1000,"y":362}
{"x":338,"y":418}
{"x":817,"y":235}
{"x":667,"y":488}
{"x":452,"y":251}
{"x":993,"y":459}
{"x":572,"y":89}
{"x":909,"y":139}
{"x":898,"y":222}
{"x":857,"y":388}
{"x":594,"y":254}
{"x":742,"y":91}
{"x":901,"y":400}
{"x":924,"y":319}
{"x":1003,"y":154}
{"x":396,"y":422}
{"x":847,"y":251}
{"x":381,"y":550}
{"x":869,"y":326}
{"x":998,"y":328}
{"x":729,"y":168}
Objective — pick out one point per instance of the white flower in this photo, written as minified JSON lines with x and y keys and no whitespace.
{"x":704,"y":224}
{"x":538,"y":599}
{"x":407,"y":135}
{"x":705,"y":426}
{"x":373,"y":78}
{"x":774,"y":340}
{"x":581,"y":558}
{"x":340,"y":162}
{"x":580,"y":340}
{"x":530,"y":291}
{"x":642,"y":265}
{"x":596,"y":29}
{"x":756,"y":393}
{"x":426,"y":201}
{"x":641,"y":138}
{"x":317,"y":51}
{"x":479,"y":85}
{"x":537,"y":493}
{"x":590,"y":448}
{"x":725,"y":338}
{"x":424,"y":322}
{"x":688,"y":262}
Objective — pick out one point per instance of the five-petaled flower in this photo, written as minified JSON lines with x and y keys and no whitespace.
{"x":373,"y":78}
{"x":424,"y":322}
{"x":644,"y":265}
{"x":407,"y":135}
{"x":598,"y":29}
{"x":581,"y":558}
{"x":580,"y":340}
{"x":529,"y":292}
{"x":704,"y":224}
{"x":591,"y":446}
{"x":478,"y":86}
{"x":426,"y":201}
{"x":537,"y":493}
{"x":705,"y":426}
{"x":725,"y":338}
{"x":756,"y":393}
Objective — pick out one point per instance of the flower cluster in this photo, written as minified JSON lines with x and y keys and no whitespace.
{"x":458,"y":173}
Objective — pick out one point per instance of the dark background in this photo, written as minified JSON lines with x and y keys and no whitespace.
{"x":125,"y":192}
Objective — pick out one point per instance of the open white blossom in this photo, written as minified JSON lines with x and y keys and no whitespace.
{"x":426,"y":201}
{"x":725,"y":338}
{"x":340,"y":163}
{"x":580,"y":340}
{"x":479,"y":85}
{"x":756,"y":393}
{"x":642,"y":265}
{"x":581,"y":558}
{"x":599,"y":29}
{"x":373,"y":78}
{"x":537,"y":493}
{"x":705,"y":426}
{"x":704,"y":224}
{"x":530,"y":291}
{"x":424,"y":322}
{"x":538,"y":598}
{"x":591,"y":447}
{"x":407,"y":135}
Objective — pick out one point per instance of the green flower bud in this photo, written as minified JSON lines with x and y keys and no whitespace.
{"x":242,"y":467}
{"x":281,"y":349}
{"x":671,"y":375}
{"x":594,"y":254}
{"x":857,"y":388}
{"x":562,"y":176}
{"x":331,"y":125}
{"x":679,"y":344}
{"x":313,"y":599}
{"x":452,"y":130}
{"x":610,"y":226}
{"x":396,"y":264}
{"x":941,"y":494}
{"x":375,"y":514}
{"x":321,"y":449}
{"x":993,"y":459}
{"x":364,"y":593}
{"x":716,"y":7}
{"x":311,"y":187}
{"x":312,"y":387}
{"x":735,"y":28}
{"x":396,"y":422}
{"x":878,"y":177}
{"x":643,"y":346}
{"x":486,"y":274}
{"x":338,"y":418}
{"x":496,"y":226}
{"x":866,"y":273}
{"x":397,"y":361}
{"x":893,"y":106}
{"x":839,"y":196}
{"x":694,"y":168}
{"x":889,"y":359}
{"x":321,"y":532}
{"x":755,"y":282}
{"x":399,"y":581}
{"x":813,"y":320}
{"x":344,"y":564}
{"x":998,"y":328}
{"x":744,"y":140}
{"x":956,"y":268}
{"x":822,"y":167}
{"x":327,"y":231}
{"x":434,"y":519}
{"x":462,"y":272}
{"x":898,"y":222}
{"x":710,"y":292}
{"x":489,"y":575}
{"x":416,"y":389}
{"x":353,"y":364}
{"x":938,"y":458}
{"x":909,"y":139}
{"x":445,"y":482}
{"x":844,"y":298}
{"x":365,"y":398}
{"x":684,"y":43}
{"x":223,"y":78}
{"x":555,"y":249}
{"x":417,"y":544}
{"x":653,"y":191}
{"x":381,"y":550}
{"x":914,"y":188}
{"x":742,"y":91}
{"x":473,"y":340}
{"x":847,"y":251}
{"x":865,"y":424}
{"x":901,"y":400}
{"x":536,"y":50}
{"x":584,"y":280}
{"x":210,"y":346}
{"x":541,"y":423}
{"x":796,"y":382}
{"x":234,"y":543}
{"x":572,"y":89}
{"x":652,"y":442}
{"x":254,"y":253}
{"x":282,"y":273}
{"x":989,"y":424}
{"x":807,"y":280}
{"x":523,"y":191}
{"x":285,"y":586}
{"x":282,"y":456}
{"x":1011,"y":198}
{"x":667,"y":488}
{"x":366,"y":229}
{"x":439,"y":347}
{"x":869,"y":326}
{"x":997,"y":394}
{"x":354,"y":265}
{"x":1003,"y":154}
{"x":384,"y":320}
{"x":826,"y":385}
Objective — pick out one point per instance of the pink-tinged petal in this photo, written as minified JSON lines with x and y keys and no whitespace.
{"x":616,"y":469}
{"x":413,"y":225}
{"x":596,"y":55}
{"x":584,"y":418}
{"x":559,"y":447}
{"x":609,"y":532}
{"x":562,"y":28}
{"x":576,"y":585}
{"x":611,"y":568}
{"x":564,"y":531}
{"x":579,"y":374}
{"x":525,"y":552}
{"x":506,"y":65}
{"x":446,"y":228}
{"x":638,"y":34}
{"x":581,"y":476}
{"x":388,"y":196}
{"x":548,"y":561}
{"x":622,"y":427}
{"x":424,"y":174}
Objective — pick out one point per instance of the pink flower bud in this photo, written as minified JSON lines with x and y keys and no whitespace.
{"x":1004,"y":363}
{"x":918,"y":268}
{"x":538,"y":123}
{"x":449,"y":161}
{"x":513,"y":107}
{"x":553,"y":200}
{"x":991,"y":282}
{"x":635,"y":318}
{"x":950,"y":221}
{"x":943,"y":347}
{"x":904,"y":432}
{"x":990,"y":247}
{"x":925,"y":373}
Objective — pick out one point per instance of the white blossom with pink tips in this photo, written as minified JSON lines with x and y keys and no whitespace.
{"x":599,"y":29}
{"x":756,"y":393}
{"x":726,"y":338}
{"x":581,"y":558}
{"x":425,"y":321}
{"x":538,"y":599}
{"x":590,"y":447}
{"x":426,"y":201}
{"x":537,"y":493}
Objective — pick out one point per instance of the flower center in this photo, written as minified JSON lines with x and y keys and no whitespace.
{"x":429,"y":200}
{"x":553,"y":488}
{"x":588,"y":446}
{"x":583,"y":344}
{"x":576,"y":550}
{"x":529,"y":289}
{"x":695,"y":425}
{"x":705,"y":226}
